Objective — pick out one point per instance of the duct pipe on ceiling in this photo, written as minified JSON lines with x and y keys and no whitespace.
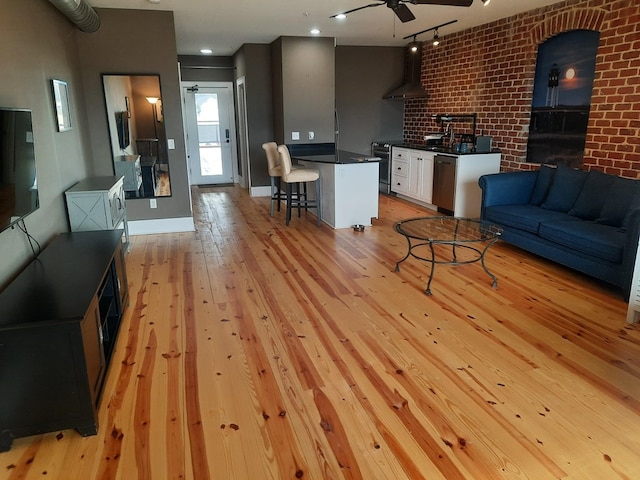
{"x":80,"y":13}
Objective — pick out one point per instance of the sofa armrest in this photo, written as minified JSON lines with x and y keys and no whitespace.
{"x":630,"y":250}
{"x":507,"y":188}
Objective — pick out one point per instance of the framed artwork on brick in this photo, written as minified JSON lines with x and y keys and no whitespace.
{"x":565,"y":70}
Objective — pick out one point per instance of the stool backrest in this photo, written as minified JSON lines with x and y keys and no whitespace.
{"x":285,"y":160}
{"x":273,"y":159}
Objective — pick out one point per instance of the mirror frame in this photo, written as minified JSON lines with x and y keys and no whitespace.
{"x":133,"y":104}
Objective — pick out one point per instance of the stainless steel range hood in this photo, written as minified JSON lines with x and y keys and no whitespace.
{"x":408,"y":90}
{"x":412,"y":88}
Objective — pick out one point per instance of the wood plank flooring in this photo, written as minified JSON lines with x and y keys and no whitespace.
{"x":251,"y":350}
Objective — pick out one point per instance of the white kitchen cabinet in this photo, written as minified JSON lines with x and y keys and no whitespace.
{"x":412,"y":177}
{"x":468,"y":195}
{"x":98,"y":203}
{"x":400,"y":170}
{"x":412,"y":173}
{"x":421,"y":175}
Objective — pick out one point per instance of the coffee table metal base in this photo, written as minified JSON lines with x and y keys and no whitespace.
{"x":487,"y":235}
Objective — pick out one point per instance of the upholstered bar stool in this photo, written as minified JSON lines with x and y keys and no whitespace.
{"x":275,"y":172}
{"x":291,"y":177}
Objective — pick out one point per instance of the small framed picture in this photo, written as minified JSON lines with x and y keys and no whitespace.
{"x":61,"y":105}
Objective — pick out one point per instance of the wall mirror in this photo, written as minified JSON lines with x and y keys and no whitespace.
{"x":137,"y":134}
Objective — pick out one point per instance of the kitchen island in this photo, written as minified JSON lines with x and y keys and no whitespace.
{"x":349,"y":186}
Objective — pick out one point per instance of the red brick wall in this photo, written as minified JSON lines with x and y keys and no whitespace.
{"x":490,"y":70}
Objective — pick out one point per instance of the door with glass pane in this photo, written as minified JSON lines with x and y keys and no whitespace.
{"x":209,"y":125}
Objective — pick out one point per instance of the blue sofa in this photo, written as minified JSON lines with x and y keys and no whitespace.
{"x":588,"y":221}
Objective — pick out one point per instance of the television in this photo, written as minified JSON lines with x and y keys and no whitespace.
{"x":18,"y":181}
{"x":122,"y":125}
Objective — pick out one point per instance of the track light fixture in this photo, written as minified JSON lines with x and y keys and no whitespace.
{"x":486,"y":2}
{"x":413,"y":46}
{"x":436,"y":38}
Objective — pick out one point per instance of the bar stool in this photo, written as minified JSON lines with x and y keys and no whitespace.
{"x":292,"y":176}
{"x":275,"y":172}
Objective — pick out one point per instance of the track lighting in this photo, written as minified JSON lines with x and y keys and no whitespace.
{"x":486,"y":2}
{"x":436,"y":39}
{"x":413,"y":46}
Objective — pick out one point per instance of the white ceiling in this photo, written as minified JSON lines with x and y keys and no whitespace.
{"x":225,"y":25}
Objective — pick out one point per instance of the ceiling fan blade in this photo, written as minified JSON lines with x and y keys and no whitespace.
{"x":403,"y":13}
{"x":452,"y":3}
{"x":359,"y":8}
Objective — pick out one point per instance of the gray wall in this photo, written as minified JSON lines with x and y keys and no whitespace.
{"x":136,"y":42}
{"x":38,"y":44}
{"x":253,"y":62}
{"x":304,"y":88}
{"x":204,"y":68}
{"x":363,"y":76}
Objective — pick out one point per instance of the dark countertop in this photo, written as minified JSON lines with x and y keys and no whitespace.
{"x":341,"y":157}
{"x":441,"y":149}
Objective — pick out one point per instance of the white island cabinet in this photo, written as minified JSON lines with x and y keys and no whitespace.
{"x":349,"y":187}
{"x":412,"y":177}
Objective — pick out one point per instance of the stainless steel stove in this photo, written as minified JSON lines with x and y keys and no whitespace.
{"x":382,"y":149}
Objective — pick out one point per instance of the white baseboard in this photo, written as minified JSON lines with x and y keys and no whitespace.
{"x":260,"y":191}
{"x":161,"y":225}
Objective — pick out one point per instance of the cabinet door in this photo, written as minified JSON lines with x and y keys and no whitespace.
{"x":88,"y":211}
{"x":93,"y":351}
{"x":415,"y":175}
{"x":426,"y":184}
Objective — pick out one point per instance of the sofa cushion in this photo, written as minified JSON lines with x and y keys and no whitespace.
{"x":565,"y":188}
{"x":542,"y":185}
{"x":523,"y":217}
{"x":592,"y":196}
{"x":623,"y":195}
{"x":598,"y":240}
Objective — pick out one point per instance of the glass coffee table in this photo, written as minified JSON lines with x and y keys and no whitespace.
{"x":465,"y":234}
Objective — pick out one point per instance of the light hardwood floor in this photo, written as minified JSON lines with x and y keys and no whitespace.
{"x":255,"y":351}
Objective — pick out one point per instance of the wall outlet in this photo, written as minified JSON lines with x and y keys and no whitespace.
{"x":171,"y":144}
{"x":295,"y":135}
{"x":153,"y":203}
{"x":312,"y":135}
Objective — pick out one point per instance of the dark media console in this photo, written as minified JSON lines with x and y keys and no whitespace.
{"x":59,"y":321}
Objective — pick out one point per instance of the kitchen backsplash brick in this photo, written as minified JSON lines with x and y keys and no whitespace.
{"x":490,"y":70}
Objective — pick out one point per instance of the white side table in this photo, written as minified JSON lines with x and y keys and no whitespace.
{"x":98,"y":203}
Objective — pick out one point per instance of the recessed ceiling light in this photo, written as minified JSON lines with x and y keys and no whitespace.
{"x":206,"y":51}
{"x":314,"y":31}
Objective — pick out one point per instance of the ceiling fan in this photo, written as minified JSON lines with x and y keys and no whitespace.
{"x":403,"y":12}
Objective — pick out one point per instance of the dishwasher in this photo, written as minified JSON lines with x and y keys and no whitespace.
{"x":444,"y":182}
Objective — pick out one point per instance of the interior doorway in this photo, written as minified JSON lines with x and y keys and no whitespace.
{"x":242,"y":166}
{"x":209,"y":119}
